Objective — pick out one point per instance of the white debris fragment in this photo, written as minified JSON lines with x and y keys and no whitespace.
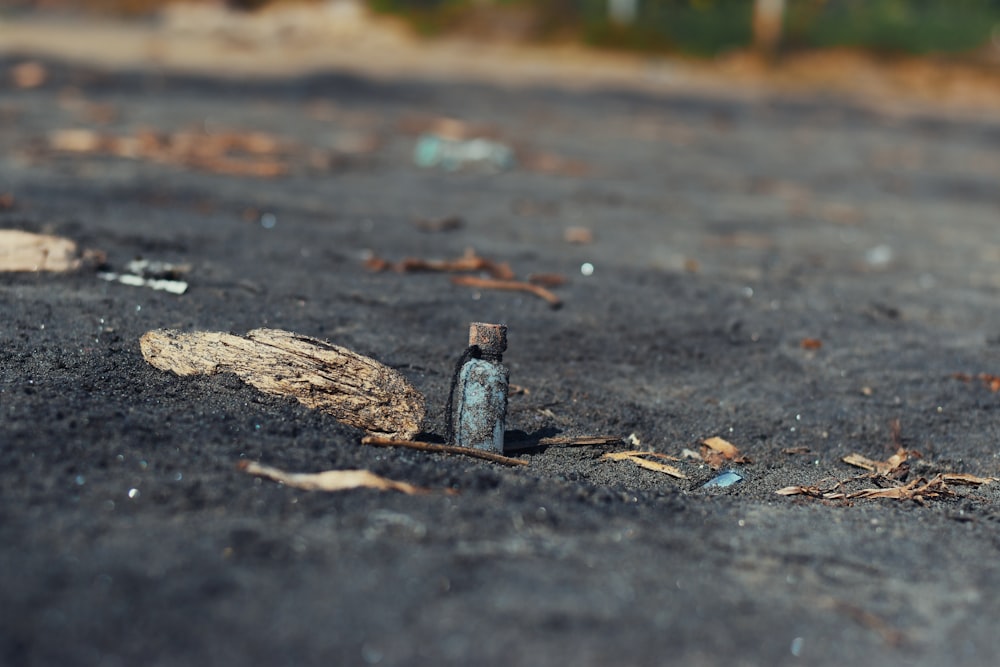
{"x":172,"y":286}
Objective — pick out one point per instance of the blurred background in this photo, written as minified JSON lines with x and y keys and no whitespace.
{"x":700,"y":28}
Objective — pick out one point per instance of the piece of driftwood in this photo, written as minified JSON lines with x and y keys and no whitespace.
{"x":25,"y":251}
{"x":443,"y":449}
{"x":355,"y":389}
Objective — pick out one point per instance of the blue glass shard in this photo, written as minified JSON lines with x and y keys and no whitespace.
{"x":723,"y":479}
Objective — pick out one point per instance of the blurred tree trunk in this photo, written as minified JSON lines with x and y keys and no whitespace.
{"x":768,"y":18}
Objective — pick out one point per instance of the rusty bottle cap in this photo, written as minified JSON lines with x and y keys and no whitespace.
{"x":491,"y":339}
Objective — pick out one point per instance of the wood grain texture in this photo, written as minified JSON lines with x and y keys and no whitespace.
{"x":25,"y":251}
{"x":355,"y":389}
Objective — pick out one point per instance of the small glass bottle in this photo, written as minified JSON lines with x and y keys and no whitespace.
{"x":480,"y":394}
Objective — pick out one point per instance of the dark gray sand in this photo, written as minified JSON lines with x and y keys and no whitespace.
{"x":726,"y":232}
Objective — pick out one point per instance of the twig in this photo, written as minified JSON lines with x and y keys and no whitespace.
{"x":516,"y":285}
{"x":890,"y":635}
{"x":444,"y":449}
{"x":585,"y":441}
{"x":470,"y":261}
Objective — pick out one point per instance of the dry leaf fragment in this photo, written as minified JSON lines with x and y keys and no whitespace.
{"x":639,"y":458}
{"x":991,"y":382}
{"x":886,"y":467}
{"x":330,"y":480}
{"x":355,"y":389}
{"x":812,"y":492}
{"x":810,"y":343}
{"x":800,"y":490}
{"x":24,"y":251}
{"x":725,"y":448}
{"x":917,"y":490}
{"x":716,"y":452}
{"x":963,"y":478}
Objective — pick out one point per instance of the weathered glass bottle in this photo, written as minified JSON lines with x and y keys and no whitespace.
{"x":480,"y":393}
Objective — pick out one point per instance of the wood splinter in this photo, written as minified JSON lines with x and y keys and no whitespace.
{"x":515,"y":285}
{"x":354,"y":389}
{"x":444,"y":449}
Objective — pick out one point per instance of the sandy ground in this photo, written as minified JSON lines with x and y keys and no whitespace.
{"x":793,"y":272}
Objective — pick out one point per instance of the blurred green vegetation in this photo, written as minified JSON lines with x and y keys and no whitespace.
{"x":709,"y":27}
{"x":694,"y":27}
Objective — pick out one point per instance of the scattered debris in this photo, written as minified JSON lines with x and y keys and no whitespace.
{"x":25,"y":251}
{"x":578,"y":235}
{"x":867,"y":391}
{"x":436,"y":150}
{"x":332,"y":480}
{"x":894,"y":465}
{"x":889,"y":475}
{"x":991,"y":382}
{"x":516,"y":285}
{"x":443,"y":449}
{"x":716,"y":452}
{"x":355,"y":389}
{"x":887,"y":467}
{"x":156,"y":275}
{"x":453,"y":144}
{"x":640,"y":459}
{"x":810,"y":343}
{"x":502,"y":274}
{"x":133,"y":280}
{"x":149,"y":268}
{"x":547,"y":279}
{"x":468,"y":262}
{"x":917,"y":490}
{"x":811,"y":491}
{"x":796,"y":450}
{"x":231,"y":152}
{"x":722,"y":480}
{"x":30,"y":74}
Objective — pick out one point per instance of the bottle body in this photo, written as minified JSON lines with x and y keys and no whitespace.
{"x":481,"y":405}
